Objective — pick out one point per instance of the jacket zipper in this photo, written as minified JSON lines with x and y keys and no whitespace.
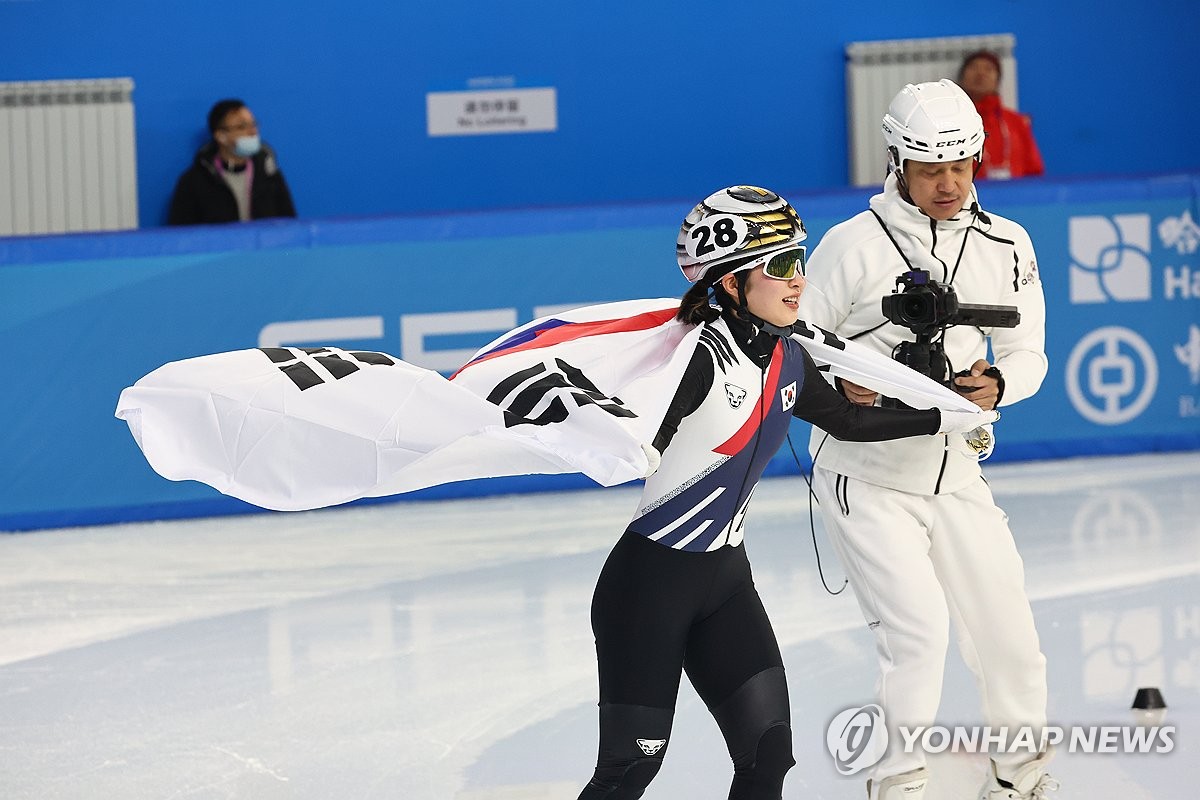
{"x":937,"y":489}
{"x":933,"y":250}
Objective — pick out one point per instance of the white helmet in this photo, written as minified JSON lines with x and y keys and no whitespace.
{"x":932,"y":122}
{"x":733,"y":227}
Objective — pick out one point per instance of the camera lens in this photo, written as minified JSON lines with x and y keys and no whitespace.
{"x":917,"y":308}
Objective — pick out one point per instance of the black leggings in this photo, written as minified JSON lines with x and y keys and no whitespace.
{"x":657,"y":612}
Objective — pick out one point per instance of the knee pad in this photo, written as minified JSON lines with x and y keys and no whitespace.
{"x":625,"y":782}
{"x":773,"y":757}
{"x":756,"y":722}
{"x":762,"y":778}
{"x":633,"y":742}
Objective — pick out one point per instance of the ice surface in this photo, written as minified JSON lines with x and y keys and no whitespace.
{"x":439,"y":650}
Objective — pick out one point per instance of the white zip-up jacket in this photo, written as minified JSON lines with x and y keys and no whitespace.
{"x":987,"y":259}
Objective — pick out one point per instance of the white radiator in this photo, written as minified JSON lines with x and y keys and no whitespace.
{"x":67,"y":159}
{"x":876,"y":71}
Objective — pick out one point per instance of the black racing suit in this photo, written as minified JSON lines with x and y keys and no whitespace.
{"x":676,"y":593}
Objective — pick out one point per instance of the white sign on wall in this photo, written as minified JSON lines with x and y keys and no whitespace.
{"x":478,"y":112}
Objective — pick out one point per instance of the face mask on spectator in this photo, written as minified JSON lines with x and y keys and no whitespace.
{"x":246,"y":146}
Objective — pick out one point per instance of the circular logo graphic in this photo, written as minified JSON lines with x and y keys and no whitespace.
{"x":857,"y":738}
{"x":1115,"y":518}
{"x":1111,"y":375}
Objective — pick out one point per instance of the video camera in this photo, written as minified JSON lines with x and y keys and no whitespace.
{"x":927,"y":308}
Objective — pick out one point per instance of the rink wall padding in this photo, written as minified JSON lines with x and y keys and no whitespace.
{"x":86,"y":315}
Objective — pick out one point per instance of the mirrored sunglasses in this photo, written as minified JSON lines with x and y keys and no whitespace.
{"x":784,"y":265}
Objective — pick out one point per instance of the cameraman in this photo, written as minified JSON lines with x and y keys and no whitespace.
{"x":914,"y":523}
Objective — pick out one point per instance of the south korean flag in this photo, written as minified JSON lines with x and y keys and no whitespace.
{"x":788,"y":395}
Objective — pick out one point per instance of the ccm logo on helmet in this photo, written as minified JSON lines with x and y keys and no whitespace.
{"x":951,"y":143}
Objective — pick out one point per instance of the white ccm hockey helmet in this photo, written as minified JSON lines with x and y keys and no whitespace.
{"x":733,"y":227}
{"x":932,"y":122}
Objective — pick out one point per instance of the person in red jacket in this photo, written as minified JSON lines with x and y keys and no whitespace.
{"x":1009,"y":150}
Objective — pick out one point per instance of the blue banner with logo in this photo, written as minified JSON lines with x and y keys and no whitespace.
{"x":1120,"y":263}
{"x":85,"y":316}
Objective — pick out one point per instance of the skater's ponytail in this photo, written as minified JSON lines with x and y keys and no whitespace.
{"x":696,"y":305}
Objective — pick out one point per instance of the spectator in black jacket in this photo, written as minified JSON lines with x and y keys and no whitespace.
{"x":234,"y":175}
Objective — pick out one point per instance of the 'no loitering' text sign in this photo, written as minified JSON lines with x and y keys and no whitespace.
{"x":479,"y":112}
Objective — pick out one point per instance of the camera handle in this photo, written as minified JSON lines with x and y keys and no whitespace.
{"x":925,"y":356}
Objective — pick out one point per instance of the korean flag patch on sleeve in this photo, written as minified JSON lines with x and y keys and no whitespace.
{"x":788,"y":395}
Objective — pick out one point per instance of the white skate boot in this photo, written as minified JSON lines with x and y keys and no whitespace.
{"x":905,"y":786}
{"x":1030,"y":783}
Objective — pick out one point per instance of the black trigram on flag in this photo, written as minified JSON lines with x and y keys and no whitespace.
{"x":292,"y":361}
{"x":517,"y":411}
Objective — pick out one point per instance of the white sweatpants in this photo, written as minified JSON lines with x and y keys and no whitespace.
{"x":916,"y":562}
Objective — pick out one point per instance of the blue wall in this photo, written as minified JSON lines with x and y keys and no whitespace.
{"x":657,"y":100}
{"x":84,"y":316}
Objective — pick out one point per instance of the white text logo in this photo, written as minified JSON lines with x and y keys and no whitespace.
{"x":1094,"y":739}
{"x":1180,"y":232}
{"x":1188,"y":353}
{"x":420,"y":334}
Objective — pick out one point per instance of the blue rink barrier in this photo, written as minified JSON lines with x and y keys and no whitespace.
{"x":86,"y":315}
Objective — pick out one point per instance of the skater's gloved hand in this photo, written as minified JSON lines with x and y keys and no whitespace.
{"x":955,"y":421}
{"x":653,"y":459}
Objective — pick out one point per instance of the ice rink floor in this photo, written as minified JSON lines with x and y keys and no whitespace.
{"x":439,"y":650}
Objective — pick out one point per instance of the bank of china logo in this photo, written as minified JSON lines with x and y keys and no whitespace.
{"x":857,"y":738}
{"x":735,"y":394}
{"x":1181,"y":233}
{"x":788,"y":395}
{"x":1188,"y":354}
{"x":651,"y":746}
{"x":1111,"y":375}
{"x":1110,"y":258}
